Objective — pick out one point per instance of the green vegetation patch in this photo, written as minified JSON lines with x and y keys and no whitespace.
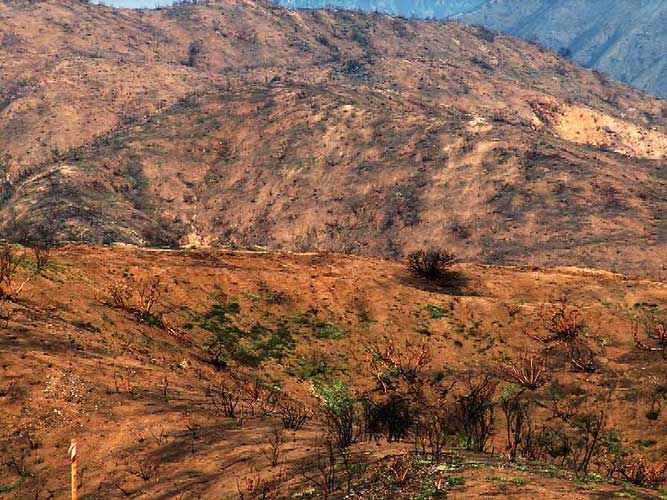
{"x":312,"y":368}
{"x":436,"y":312}
{"x":247,"y":346}
{"x":13,"y":487}
{"x":456,"y":481}
{"x":512,"y":480}
{"x":328,"y":331}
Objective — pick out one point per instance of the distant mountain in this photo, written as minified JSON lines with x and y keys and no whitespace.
{"x":624,"y":39}
{"x":438,"y":9}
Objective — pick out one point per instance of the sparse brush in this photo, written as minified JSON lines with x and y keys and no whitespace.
{"x":294,"y":415}
{"x":225,"y":398}
{"x":527,"y":371}
{"x":641,"y":473}
{"x":654,"y":326}
{"x":562,"y":322}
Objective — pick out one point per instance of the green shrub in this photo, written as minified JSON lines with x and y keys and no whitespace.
{"x":329,"y":332}
{"x":436,"y":312}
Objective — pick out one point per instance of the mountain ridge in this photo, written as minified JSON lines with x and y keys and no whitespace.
{"x":614,"y":43}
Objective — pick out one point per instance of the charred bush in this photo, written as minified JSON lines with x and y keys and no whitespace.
{"x":294,"y":415}
{"x":474,"y":412}
{"x":433,"y":265}
{"x":392,"y":418}
{"x":138,"y":297}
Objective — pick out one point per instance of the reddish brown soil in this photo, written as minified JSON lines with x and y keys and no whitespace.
{"x":72,"y":366}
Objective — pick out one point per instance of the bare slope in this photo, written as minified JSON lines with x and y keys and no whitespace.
{"x":135,"y":395}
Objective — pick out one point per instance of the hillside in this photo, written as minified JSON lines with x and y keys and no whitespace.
{"x":242,"y":124}
{"x":141,"y":393}
{"x":626,"y":42}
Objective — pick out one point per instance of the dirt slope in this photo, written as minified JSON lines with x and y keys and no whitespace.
{"x":134,"y":395}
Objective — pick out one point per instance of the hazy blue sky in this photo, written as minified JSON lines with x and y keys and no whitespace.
{"x":136,"y":4}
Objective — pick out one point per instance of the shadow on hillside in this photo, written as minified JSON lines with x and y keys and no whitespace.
{"x":453,"y":283}
{"x":188,"y":443}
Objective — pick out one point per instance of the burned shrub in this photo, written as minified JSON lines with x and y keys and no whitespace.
{"x":433,"y":265}
{"x":392,"y":418}
{"x":274,"y":450}
{"x":527,"y":372}
{"x":392,"y":366}
{"x":225,"y":398}
{"x":485,"y":34}
{"x":653,"y":322}
{"x":261,"y":397}
{"x":562,"y":322}
{"x":10,"y":289}
{"x":658,"y":403}
{"x":353,"y":68}
{"x":294,"y":415}
{"x":138,"y":297}
{"x":474,"y":412}
{"x":582,"y":431}
{"x":582,"y":357}
{"x":8,"y":268}
{"x":516,"y":408}
{"x":564,"y":327}
{"x":434,"y":428}
{"x":194,"y":49}
{"x":638,"y":471}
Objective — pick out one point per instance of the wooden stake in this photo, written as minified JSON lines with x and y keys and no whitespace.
{"x":75,"y":470}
